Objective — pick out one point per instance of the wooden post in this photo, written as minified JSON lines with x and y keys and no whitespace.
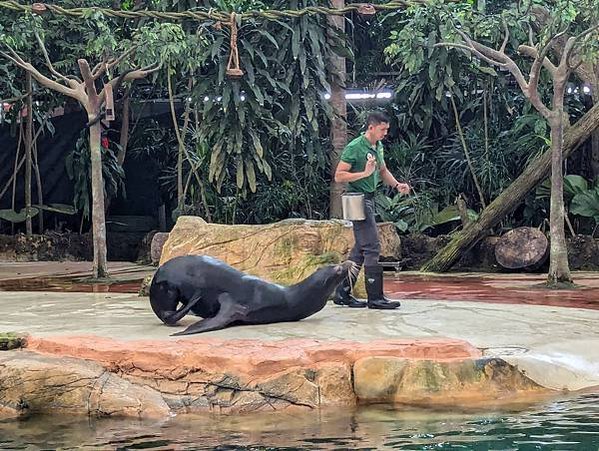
{"x":339,"y":123}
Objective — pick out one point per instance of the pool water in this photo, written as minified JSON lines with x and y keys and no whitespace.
{"x":564,"y":424}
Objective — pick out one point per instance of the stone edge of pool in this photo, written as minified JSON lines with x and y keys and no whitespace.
{"x":91,"y":375}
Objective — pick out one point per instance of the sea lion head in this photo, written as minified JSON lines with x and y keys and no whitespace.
{"x":336,"y":273}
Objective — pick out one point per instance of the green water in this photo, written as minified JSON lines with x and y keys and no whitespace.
{"x":563,"y":424}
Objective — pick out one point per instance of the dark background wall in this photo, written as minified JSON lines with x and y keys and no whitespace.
{"x":135,"y":215}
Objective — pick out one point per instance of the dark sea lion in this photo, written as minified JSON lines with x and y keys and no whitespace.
{"x":225,"y":297}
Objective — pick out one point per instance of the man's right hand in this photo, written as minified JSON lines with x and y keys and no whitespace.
{"x":370,"y":165}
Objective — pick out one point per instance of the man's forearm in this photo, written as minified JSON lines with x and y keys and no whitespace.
{"x":388,"y":178}
{"x":345,"y":176}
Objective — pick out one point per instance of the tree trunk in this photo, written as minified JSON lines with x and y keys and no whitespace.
{"x":559,"y":271}
{"x":28,"y":146}
{"x":595,"y":137}
{"x":124,"y":138}
{"x":171,"y":101}
{"x":522,"y":247}
{"x":38,"y":183}
{"x":92,"y":106}
{"x":100,"y":268}
{"x":512,"y":196}
{"x":339,"y":123}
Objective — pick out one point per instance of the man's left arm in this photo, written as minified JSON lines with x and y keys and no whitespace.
{"x":388,"y":178}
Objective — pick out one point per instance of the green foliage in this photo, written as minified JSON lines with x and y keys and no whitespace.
{"x":16,"y":217}
{"x":276,"y":107}
{"x":586,"y":203}
{"x":260,"y":144}
{"x":78,"y":166}
{"x":20,"y":216}
{"x":417,"y":213}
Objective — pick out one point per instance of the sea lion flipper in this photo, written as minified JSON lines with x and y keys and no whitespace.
{"x":227,"y":314}
{"x":171,"y":318}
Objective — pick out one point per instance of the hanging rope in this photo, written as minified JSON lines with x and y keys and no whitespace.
{"x":200,"y":15}
{"x":233,"y":69}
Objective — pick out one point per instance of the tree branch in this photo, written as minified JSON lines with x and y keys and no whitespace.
{"x":100,"y":66}
{"x":534,"y":53}
{"x":535,"y":70}
{"x":570,"y":45}
{"x":506,"y":38}
{"x":132,"y":74}
{"x":105,"y":65}
{"x":585,"y":71}
{"x":42,"y":79}
{"x":88,"y":80}
{"x":531,"y":40}
{"x":471,"y":50}
{"x":70,"y":81}
{"x":126,"y":54}
{"x":499,"y":58}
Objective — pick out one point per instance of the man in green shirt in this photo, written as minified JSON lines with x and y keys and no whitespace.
{"x":362,"y":167}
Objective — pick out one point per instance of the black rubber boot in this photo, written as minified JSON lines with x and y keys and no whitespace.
{"x":343,"y":294}
{"x":374,"y":289}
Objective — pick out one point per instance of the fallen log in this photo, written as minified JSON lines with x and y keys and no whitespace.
{"x":536,"y":171}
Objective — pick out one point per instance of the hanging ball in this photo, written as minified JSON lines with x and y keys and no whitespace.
{"x":39,"y":8}
{"x":234,"y":73}
{"x":366,"y":9}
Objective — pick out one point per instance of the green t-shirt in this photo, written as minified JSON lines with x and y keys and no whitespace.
{"x":356,"y":154}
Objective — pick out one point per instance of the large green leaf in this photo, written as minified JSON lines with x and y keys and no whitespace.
{"x":586,"y":203}
{"x":573,"y":185}
{"x":16,"y":217}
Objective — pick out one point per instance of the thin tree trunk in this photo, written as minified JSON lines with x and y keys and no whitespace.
{"x":16,"y":172}
{"x":124,"y":138}
{"x":595,"y":137}
{"x":196,"y":119}
{"x":559,"y":271}
{"x":467,"y":153}
{"x":38,"y":182}
{"x":16,"y":168}
{"x":339,"y":123}
{"x":28,"y":145}
{"x":512,"y":196}
{"x":92,"y":106}
{"x":171,"y":102}
{"x":100,"y":266}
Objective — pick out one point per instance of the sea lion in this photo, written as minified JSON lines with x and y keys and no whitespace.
{"x":225,"y":297}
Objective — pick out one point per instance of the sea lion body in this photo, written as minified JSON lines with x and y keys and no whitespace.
{"x":224,"y":296}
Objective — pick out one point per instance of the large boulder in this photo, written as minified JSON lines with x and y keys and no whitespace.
{"x":392,"y":379}
{"x":284,"y":252}
{"x":33,"y":383}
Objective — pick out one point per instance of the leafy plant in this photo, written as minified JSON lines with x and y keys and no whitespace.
{"x":585,"y":203}
{"x":78,"y":166}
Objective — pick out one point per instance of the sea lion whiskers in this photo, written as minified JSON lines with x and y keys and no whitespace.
{"x":353,"y":270}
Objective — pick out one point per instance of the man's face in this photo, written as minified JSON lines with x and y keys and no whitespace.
{"x":379,"y":131}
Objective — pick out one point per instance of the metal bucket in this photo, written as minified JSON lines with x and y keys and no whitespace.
{"x":353,"y":206}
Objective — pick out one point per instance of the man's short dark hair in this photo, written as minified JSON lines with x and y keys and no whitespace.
{"x":376,"y":118}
